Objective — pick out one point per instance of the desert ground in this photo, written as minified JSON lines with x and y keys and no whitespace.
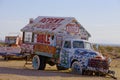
{"x":15,"y":70}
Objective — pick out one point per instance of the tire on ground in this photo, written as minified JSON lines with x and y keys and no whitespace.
{"x":77,"y":68}
{"x":38,"y":62}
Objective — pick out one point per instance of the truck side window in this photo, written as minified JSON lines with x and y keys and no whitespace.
{"x":67,"y":44}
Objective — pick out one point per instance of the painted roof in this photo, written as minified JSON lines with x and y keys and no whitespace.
{"x":54,"y":25}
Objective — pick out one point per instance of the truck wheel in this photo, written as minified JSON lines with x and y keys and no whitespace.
{"x":61,"y":68}
{"x":76,"y":68}
{"x":38,"y":62}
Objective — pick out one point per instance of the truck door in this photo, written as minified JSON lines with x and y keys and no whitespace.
{"x":65,"y":54}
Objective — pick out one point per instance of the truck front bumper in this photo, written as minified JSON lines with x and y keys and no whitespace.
{"x":97,"y":69}
{"x":98,"y":65}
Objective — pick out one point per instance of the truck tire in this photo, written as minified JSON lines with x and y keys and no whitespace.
{"x":77,"y":68}
{"x":38,"y":62}
{"x":61,"y":68}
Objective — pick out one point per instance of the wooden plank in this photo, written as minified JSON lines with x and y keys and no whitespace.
{"x":44,"y":48}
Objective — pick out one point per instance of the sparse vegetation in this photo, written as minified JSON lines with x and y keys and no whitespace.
{"x":110,"y":51}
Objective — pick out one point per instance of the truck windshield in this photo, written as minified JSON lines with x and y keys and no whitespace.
{"x":88,"y":46}
{"x":78,"y":44}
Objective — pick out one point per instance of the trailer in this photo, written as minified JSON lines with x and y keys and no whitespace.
{"x":10,"y":52}
{"x":11,"y":47}
{"x":62,"y":41}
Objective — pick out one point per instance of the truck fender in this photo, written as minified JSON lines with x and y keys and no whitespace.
{"x":73,"y":62}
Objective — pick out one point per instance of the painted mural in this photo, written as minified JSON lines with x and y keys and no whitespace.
{"x":64,"y":59}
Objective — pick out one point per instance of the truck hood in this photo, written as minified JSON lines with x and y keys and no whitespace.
{"x":88,"y":53}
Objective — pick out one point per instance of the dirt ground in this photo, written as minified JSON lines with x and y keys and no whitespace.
{"x":15,"y":70}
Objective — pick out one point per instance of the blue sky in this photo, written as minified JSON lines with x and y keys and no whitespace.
{"x":101,"y":18}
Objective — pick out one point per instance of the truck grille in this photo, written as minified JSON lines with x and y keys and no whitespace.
{"x":98,"y":63}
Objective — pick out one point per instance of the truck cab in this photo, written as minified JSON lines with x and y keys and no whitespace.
{"x":76,"y":54}
{"x":73,"y":44}
{"x":69,"y":49}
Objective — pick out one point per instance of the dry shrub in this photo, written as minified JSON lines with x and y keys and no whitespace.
{"x":110,"y":51}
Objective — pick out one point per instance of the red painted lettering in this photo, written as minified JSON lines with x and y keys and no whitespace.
{"x":48,"y":39}
{"x":72,"y":28}
{"x":59,"y":20}
{"x":43,"y":38}
{"x":43,"y":20}
{"x":51,"y":20}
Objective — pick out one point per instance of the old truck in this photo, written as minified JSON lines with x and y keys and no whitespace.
{"x":62,"y":41}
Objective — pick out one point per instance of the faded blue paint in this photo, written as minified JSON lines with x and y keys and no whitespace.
{"x":65,"y":62}
{"x":35,"y":62}
{"x":83,"y":55}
